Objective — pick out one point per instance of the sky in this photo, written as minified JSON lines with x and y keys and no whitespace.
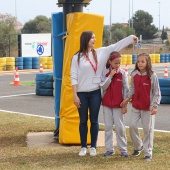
{"x":26,"y":10}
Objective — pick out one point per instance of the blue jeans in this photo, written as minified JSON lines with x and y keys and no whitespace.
{"x":89,"y":100}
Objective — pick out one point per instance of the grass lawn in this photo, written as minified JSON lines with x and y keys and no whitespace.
{"x":28,"y":83}
{"x":15,"y":155}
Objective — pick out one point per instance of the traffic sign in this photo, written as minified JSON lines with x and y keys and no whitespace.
{"x":40,"y":49}
{"x":139,"y":45}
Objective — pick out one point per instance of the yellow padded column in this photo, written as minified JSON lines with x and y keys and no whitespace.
{"x":69,"y":120}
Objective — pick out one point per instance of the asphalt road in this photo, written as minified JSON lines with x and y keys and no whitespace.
{"x":24,"y":100}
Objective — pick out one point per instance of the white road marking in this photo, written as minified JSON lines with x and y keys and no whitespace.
{"x":7,"y":111}
{"x":16,"y":95}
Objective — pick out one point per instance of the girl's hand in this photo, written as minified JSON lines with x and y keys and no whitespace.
{"x":113,"y":72}
{"x":153,"y":110}
{"x":125,"y":102}
{"x":77,"y":101}
{"x":124,"y":110}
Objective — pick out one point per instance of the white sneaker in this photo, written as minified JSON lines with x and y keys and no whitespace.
{"x":93,"y":151}
{"x":83,"y":152}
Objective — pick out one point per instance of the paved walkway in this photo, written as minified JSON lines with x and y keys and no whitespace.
{"x":46,"y":139}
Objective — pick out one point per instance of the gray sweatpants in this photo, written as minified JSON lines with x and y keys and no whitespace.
{"x":148,"y":122}
{"x":114,"y":116}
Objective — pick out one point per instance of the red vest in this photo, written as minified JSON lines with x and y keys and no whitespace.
{"x":113,"y":96}
{"x":141,"y":97}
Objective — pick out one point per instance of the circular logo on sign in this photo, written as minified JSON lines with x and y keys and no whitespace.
{"x":40,"y":49}
{"x":139,"y":45}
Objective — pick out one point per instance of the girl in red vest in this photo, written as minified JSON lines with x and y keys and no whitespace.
{"x":114,"y":83}
{"x":146,"y":96}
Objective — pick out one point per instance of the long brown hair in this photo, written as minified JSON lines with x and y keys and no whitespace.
{"x":84,"y":41}
{"x":149,"y":70}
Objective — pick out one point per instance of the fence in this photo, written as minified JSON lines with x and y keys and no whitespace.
{"x":10,"y":45}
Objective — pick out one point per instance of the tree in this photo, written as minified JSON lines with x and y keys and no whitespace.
{"x":164,"y":34}
{"x":41,"y":24}
{"x":106,"y":37}
{"x":117,"y":35}
{"x":142,"y":23}
{"x":7,"y":29}
{"x":120,"y":31}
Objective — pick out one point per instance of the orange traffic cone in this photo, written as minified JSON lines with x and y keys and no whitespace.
{"x":126,"y":70}
{"x":166,"y":72}
{"x":16,"y":81}
{"x":41,"y":68}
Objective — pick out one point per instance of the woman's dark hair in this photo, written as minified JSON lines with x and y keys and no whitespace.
{"x":148,"y":65}
{"x":84,"y":41}
{"x":112,"y":56}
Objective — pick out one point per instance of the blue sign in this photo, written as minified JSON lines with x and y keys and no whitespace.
{"x":139,"y":45}
{"x":40,"y":49}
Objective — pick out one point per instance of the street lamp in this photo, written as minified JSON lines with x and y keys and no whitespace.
{"x":16,"y":9}
{"x":16,"y":16}
{"x":129,"y":13}
{"x":132,"y":13}
{"x":110,"y":20}
{"x":159,"y":14}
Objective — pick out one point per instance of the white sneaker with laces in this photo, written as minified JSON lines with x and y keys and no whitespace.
{"x":93,"y":151}
{"x":83,"y":151}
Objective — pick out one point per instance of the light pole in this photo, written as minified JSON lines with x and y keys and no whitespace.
{"x":131,"y":16}
{"x":159,"y":14}
{"x":110,"y":20}
{"x":16,"y":15}
{"x":132,"y":13}
{"x":129,"y":13}
{"x":16,"y":9}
